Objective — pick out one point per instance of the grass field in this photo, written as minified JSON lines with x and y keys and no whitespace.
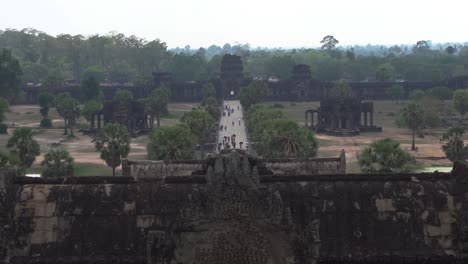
{"x":88,"y":161}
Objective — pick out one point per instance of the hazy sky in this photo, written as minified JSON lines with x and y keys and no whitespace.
{"x":265,"y":23}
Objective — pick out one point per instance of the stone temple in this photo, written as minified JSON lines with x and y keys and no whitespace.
{"x":342,"y":117}
{"x":233,"y":208}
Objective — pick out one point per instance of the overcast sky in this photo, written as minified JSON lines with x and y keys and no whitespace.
{"x":265,"y":23}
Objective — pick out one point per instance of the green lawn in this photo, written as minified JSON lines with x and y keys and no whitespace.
{"x":88,"y":169}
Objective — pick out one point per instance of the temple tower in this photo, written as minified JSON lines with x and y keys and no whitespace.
{"x":232,"y":75}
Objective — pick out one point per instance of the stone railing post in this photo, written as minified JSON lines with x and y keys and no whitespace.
{"x":126,"y":168}
{"x":460,"y":193}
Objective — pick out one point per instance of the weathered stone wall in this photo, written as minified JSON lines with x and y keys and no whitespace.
{"x":313,"y":166}
{"x":4,"y":216}
{"x":283,"y":90}
{"x":160,"y":168}
{"x":234,"y":215}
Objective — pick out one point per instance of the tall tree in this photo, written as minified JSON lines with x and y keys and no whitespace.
{"x":440,"y":92}
{"x":113,"y":141}
{"x":396,"y":91}
{"x":254,"y":93}
{"x":417,"y":94}
{"x":91,"y":89}
{"x":450,"y":50}
{"x":211,"y":106}
{"x":24,"y":146}
{"x":157,"y":104}
{"x":460,"y":101}
{"x":4,"y":106}
{"x":385,"y":72}
{"x":171,"y":143}
{"x":46,"y":101}
{"x":208,"y":90}
{"x":10,"y":75}
{"x":383,"y":156}
{"x":123,"y":95}
{"x":329,"y":42}
{"x":95,"y":72}
{"x":57,"y":163}
{"x":90,"y":108}
{"x":68,"y":108}
{"x":280,"y":66}
{"x":413,"y":118}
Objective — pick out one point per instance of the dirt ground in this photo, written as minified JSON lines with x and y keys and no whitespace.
{"x":83,"y":151}
{"x":429,"y":151}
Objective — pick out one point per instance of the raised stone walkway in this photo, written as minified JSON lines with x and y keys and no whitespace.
{"x":233,"y":124}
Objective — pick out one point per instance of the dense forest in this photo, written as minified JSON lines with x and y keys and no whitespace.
{"x":117,"y":58}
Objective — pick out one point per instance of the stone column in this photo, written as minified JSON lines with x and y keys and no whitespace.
{"x":305,"y":119}
{"x":365,"y":119}
{"x":371,"y":119}
{"x":99,"y":121}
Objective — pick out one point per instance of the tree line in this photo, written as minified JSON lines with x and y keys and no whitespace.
{"x":117,"y":58}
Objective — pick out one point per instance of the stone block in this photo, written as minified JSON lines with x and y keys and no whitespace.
{"x":432,"y":231}
{"x":385,"y":205}
{"x":445,"y":217}
{"x":445,"y":242}
{"x":445,"y":229}
{"x":145,"y":221}
{"x":44,"y":209}
{"x":42,"y":237}
{"x":45,"y":223}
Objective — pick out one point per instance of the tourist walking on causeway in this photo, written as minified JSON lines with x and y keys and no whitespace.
{"x":232,"y":123}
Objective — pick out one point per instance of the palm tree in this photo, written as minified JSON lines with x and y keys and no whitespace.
{"x":454,"y":147}
{"x":24,"y":146}
{"x":171,"y":143}
{"x":114,"y":144}
{"x":383,"y":156}
{"x":413,"y":118}
{"x":57,"y":163}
